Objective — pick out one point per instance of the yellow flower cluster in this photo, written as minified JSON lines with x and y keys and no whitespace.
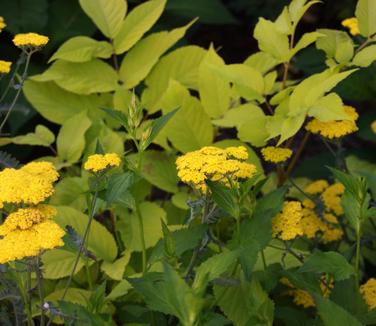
{"x":2,"y":23}
{"x":30,"y":40}
{"x":287,"y":224}
{"x":5,"y":67}
{"x":352,"y":25}
{"x":373,"y":126}
{"x":302,"y":297}
{"x":336,"y":128}
{"x":98,"y":162}
{"x":276,"y":154}
{"x":216,"y":164}
{"x":31,"y":184}
{"x":368,"y":290}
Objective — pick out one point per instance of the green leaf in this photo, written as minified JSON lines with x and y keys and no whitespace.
{"x":365,"y":57}
{"x":74,"y":295}
{"x":366,"y":14}
{"x":82,"y":49}
{"x":151,"y":215}
{"x":329,"y":262}
{"x":137,"y":23}
{"x":58,"y":105}
{"x":118,"y":184}
{"x":107,"y":15}
{"x":332,"y":314}
{"x":42,"y":136}
{"x":58,"y":263}
{"x":138,"y":62}
{"x":328,"y":108}
{"x":306,"y":40}
{"x":297,"y":9}
{"x":118,"y":116}
{"x":261,"y":61}
{"x":100,"y":241}
{"x":290,"y":127}
{"x":89,"y":77}
{"x":242,"y":114}
{"x":115,"y":270}
{"x":71,"y":138}
{"x":119,"y":290}
{"x":271,"y":40}
{"x":181,"y":65}
{"x":215,"y":93}
{"x":225,"y":198}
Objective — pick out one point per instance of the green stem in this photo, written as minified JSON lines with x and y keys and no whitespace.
{"x":88,"y":275}
{"x":357,"y":260}
{"x":264,"y":260}
{"x":19,"y":61}
{"x":40,"y":290}
{"x":23,"y":77}
{"x":30,"y":321}
{"x":142,"y":237}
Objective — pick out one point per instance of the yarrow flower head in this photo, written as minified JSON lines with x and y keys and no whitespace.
{"x":31,"y":184}
{"x":287,"y":224}
{"x":352,"y":25}
{"x":336,"y":128}
{"x":98,"y":162}
{"x":368,"y":291}
{"x":5,"y":67}
{"x":373,"y":126}
{"x":2,"y":23}
{"x":216,"y":164}
{"x":30,"y":40}
{"x":276,"y":154}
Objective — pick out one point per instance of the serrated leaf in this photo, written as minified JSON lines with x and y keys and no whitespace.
{"x":115,"y":270}
{"x":225,"y":198}
{"x":42,"y":136}
{"x":118,"y":184}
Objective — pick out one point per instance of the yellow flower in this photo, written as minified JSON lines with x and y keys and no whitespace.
{"x":352,"y":25}
{"x":311,"y":223}
{"x":373,"y":126}
{"x":331,"y":198}
{"x":2,"y":23}
{"x":216,"y":164}
{"x":98,"y":162}
{"x":276,"y":154}
{"x":5,"y":67}
{"x":31,"y":184}
{"x":335,"y":129}
{"x":30,"y":40}
{"x":368,"y":290}
{"x":287,"y":225}
{"x":20,"y":244}
{"x":316,"y":187}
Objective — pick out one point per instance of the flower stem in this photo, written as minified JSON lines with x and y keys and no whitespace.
{"x":142,"y":237}
{"x":40,"y":289}
{"x":357,"y":260}
{"x":30,"y":321}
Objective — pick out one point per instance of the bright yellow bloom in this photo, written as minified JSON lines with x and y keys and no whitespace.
{"x":276,"y":154}
{"x":287,"y":225}
{"x":30,"y":40}
{"x":316,"y":187}
{"x":216,"y":164}
{"x":2,"y":23}
{"x":352,"y":25}
{"x":98,"y":162}
{"x":368,"y":290}
{"x":31,"y":184}
{"x":311,"y":223}
{"x":331,"y":198}
{"x":20,"y":244}
{"x":25,"y":218}
{"x":5,"y":67}
{"x":335,"y":129}
{"x":373,"y":126}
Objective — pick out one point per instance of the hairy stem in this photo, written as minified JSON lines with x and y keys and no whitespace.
{"x":38,"y":273}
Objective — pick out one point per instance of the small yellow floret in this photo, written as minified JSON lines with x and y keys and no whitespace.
{"x":5,"y":67}
{"x":287,"y":225}
{"x":276,"y":154}
{"x":99,"y":162}
{"x":2,"y":23}
{"x":30,"y":40}
{"x":368,"y":290}
{"x":316,"y":187}
{"x":352,"y":25}
{"x":335,"y":129}
{"x":373,"y":126}
{"x":331,"y":198}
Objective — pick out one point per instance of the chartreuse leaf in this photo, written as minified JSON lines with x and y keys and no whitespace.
{"x":115,"y":270}
{"x":332,"y":314}
{"x":239,"y":115}
{"x":271,"y":40}
{"x":214,"y":91}
{"x":366,"y":14}
{"x":306,"y":40}
{"x":168,"y":293}
{"x":137,"y":23}
{"x":71,"y":138}
{"x":181,"y":65}
{"x":89,"y":77}
{"x":58,"y":105}
{"x":297,"y":9}
{"x":328,"y":108}
{"x":336,"y":44}
{"x":82,"y":49}
{"x":151,"y":214}
{"x":100,"y":241}
{"x":138,"y":62}
{"x":365,"y":57}
{"x":261,"y":61}
{"x":246,"y":303}
{"x":330,"y":262}
{"x":107,"y":15}
{"x":42,"y":136}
